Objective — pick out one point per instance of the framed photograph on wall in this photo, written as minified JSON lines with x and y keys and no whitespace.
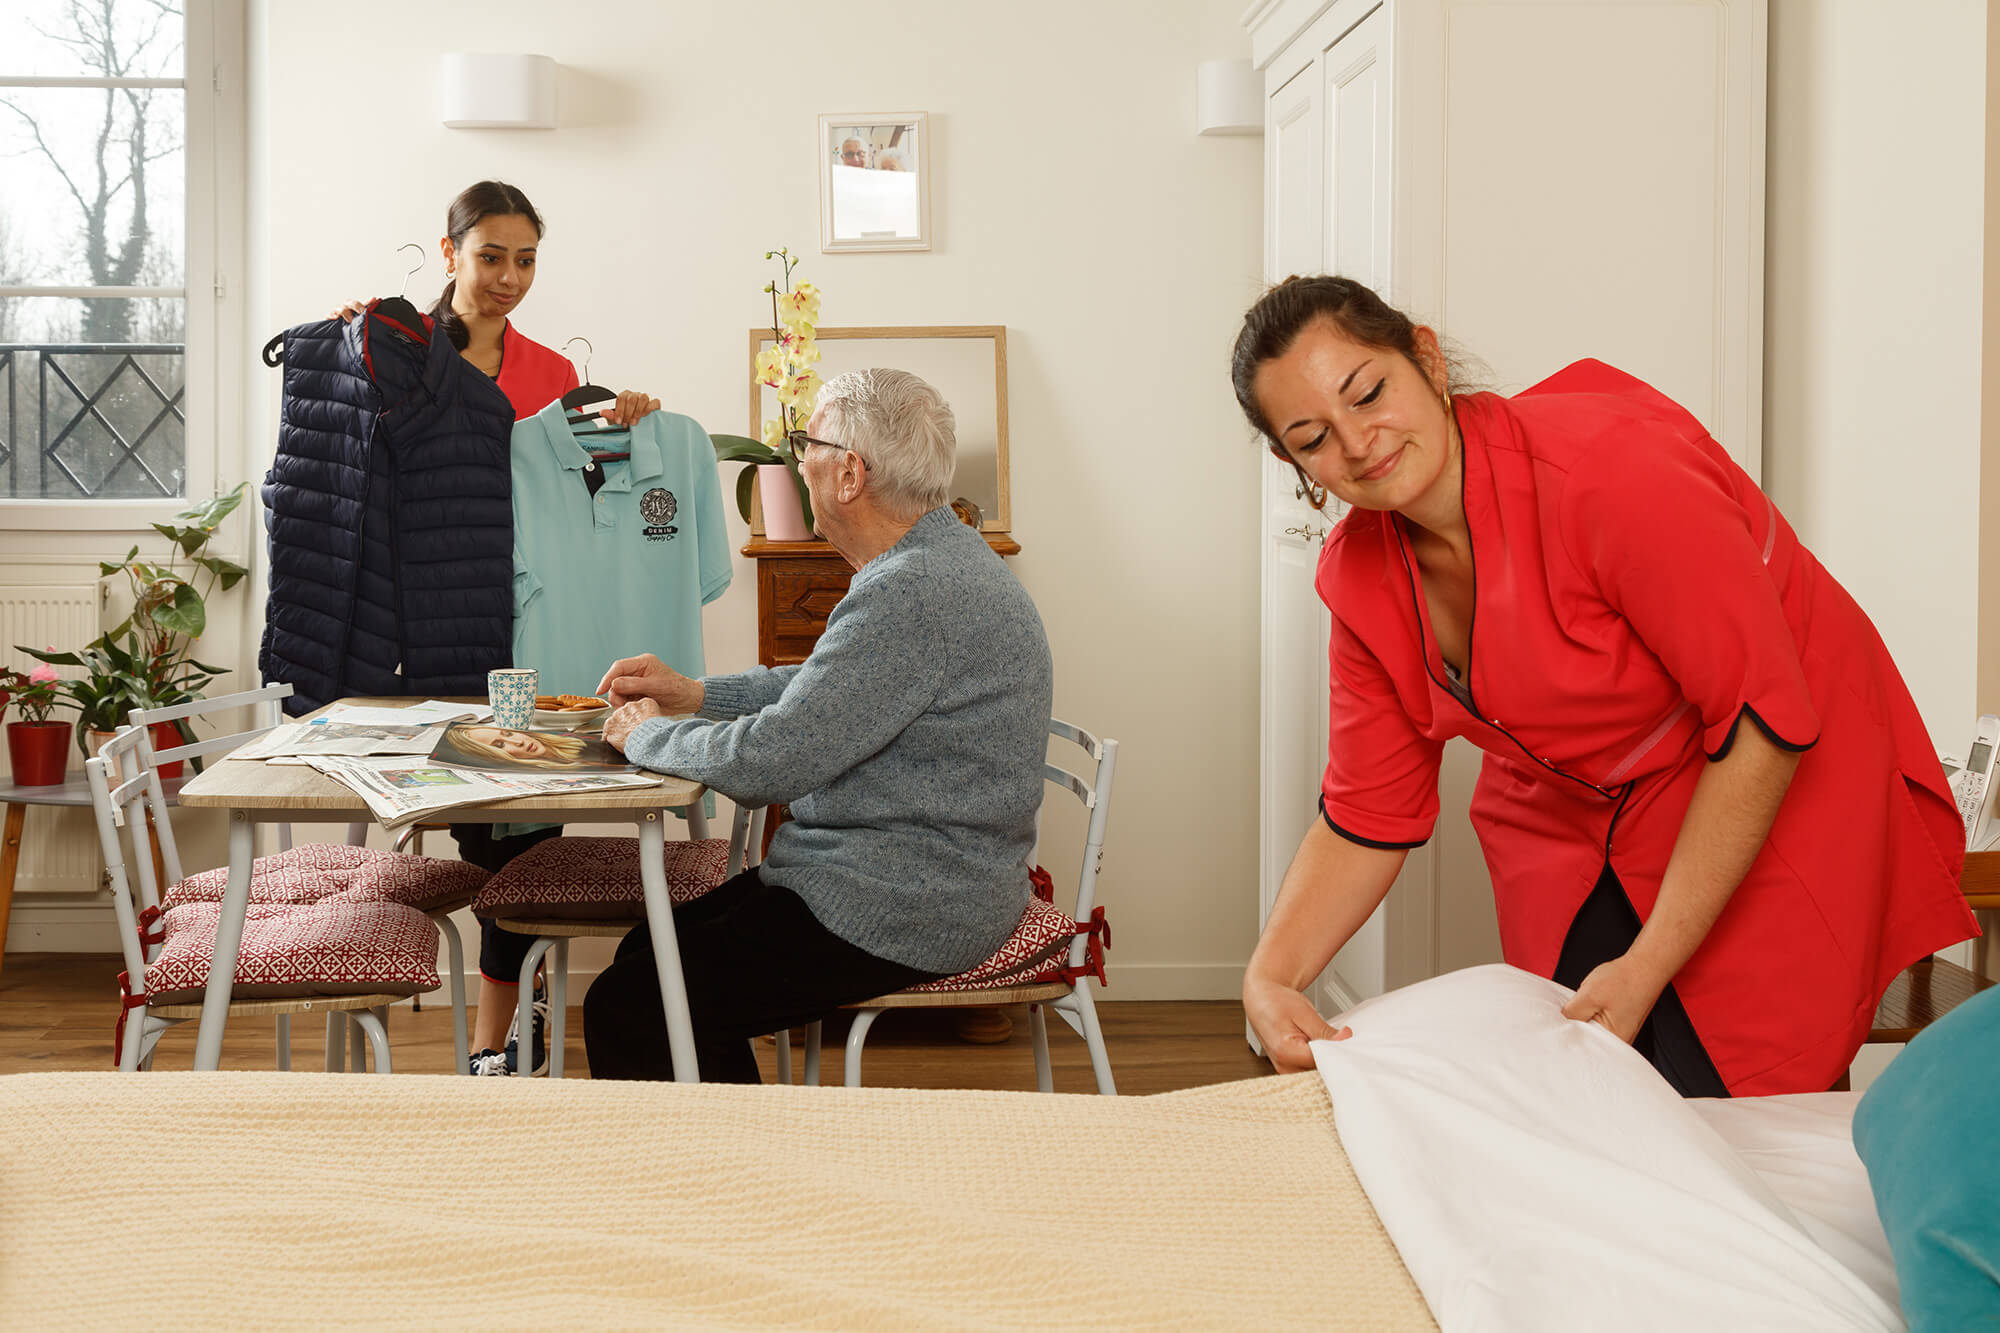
{"x":875,"y":181}
{"x":965,"y":363}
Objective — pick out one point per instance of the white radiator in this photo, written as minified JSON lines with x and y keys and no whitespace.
{"x":58,"y":846}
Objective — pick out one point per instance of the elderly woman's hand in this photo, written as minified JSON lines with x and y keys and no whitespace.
{"x":621,"y":723}
{"x":347,"y":311}
{"x":647,"y":677}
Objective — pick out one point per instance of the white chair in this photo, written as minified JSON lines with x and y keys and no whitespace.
{"x":1022,"y":970}
{"x":582,"y":888}
{"x":308,"y":932}
{"x":447,"y":895}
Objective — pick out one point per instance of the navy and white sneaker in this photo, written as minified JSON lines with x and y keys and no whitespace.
{"x":492,"y":1064}
{"x":538,"y":1010}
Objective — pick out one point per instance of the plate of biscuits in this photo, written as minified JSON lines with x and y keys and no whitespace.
{"x":567,"y":712}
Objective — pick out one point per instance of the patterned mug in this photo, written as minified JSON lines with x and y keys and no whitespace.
{"x":511,"y":691}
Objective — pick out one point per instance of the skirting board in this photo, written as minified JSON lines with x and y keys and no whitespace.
{"x":1133,"y":981}
{"x":85,"y":926}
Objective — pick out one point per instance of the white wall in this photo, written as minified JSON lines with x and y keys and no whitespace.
{"x":1873,"y":320}
{"x":1072,"y":202}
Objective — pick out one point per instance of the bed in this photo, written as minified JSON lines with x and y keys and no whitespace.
{"x":269,"y":1200}
{"x":1504,"y":1168}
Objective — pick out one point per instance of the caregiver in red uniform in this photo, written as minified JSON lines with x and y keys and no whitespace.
{"x":492,"y":250}
{"x":1707,"y":802}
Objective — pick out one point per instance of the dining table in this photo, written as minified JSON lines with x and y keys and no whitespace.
{"x":254,"y":792}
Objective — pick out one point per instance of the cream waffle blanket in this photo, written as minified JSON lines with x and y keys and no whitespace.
{"x":294,"y":1200}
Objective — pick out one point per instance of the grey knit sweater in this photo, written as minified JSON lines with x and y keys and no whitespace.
{"x":909,"y":747}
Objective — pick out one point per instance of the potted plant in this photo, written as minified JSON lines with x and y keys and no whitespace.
{"x":154,"y":667}
{"x":37,"y":748}
{"x":786,"y":366}
{"x":122,"y":678}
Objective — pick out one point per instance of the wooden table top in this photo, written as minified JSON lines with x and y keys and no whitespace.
{"x":255,"y":787}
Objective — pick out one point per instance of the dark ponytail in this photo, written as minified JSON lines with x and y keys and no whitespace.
{"x":474,"y":203}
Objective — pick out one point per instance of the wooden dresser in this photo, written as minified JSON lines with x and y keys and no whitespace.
{"x":799,"y":584}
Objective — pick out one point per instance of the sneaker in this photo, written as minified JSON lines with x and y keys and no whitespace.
{"x":538,"y":1012}
{"x":491,"y":1064}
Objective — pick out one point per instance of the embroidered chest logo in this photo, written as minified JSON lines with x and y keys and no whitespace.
{"x":658,"y":507}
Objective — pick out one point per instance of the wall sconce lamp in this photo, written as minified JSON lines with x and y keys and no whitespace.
{"x":481,"y":91}
{"x":1228,"y":98}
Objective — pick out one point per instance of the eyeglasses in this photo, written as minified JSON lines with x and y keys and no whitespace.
{"x":798,"y":440}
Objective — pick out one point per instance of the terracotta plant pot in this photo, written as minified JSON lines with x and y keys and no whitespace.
{"x":39,"y":752}
{"x":784,"y":521}
{"x":165,"y":736}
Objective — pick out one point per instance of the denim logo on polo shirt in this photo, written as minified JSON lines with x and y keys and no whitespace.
{"x":658,"y":507}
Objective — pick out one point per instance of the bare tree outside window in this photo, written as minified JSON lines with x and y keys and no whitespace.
{"x":93,"y":215}
{"x":113,"y":39}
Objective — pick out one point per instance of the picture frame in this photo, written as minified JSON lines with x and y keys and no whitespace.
{"x":966,"y":363}
{"x":874,"y":181}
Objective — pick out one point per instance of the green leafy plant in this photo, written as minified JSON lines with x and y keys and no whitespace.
{"x":154,"y":666}
{"x":169,"y":606}
{"x":787,"y":367}
{"x":123,"y":678}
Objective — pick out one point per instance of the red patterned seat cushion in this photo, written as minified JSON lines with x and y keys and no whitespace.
{"x":595,"y":879}
{"x":338,"y":946}
{"x":316,"y":871}
{"x":1036,"y":951}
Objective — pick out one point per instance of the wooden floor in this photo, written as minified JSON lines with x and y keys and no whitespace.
{"x":57,"y":1011}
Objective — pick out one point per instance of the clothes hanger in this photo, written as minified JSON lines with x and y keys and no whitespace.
{"x":583,"y":395}
{"x":397,"y":309}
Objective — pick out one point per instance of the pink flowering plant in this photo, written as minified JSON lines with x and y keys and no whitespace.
{"x":34,"y":692}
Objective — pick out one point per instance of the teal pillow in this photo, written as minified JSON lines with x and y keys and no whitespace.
{"x":1929,"y":1131}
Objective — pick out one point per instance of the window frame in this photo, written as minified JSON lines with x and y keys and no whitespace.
{"x":215,"y":75}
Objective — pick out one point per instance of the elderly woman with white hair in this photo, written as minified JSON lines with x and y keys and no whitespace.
{"x":909,"y":747}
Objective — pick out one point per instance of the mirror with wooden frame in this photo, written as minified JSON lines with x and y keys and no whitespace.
{"x":965,"y":363}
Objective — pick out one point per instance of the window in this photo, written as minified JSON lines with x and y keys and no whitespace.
{"x":109,"y":270}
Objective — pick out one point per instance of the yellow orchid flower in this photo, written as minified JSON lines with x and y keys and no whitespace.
{"x":771,"y":366}
{"x":801,"y":348}
{"x":774,"y":433}
{"x":799,"y":391}
{"x":799,"y":307}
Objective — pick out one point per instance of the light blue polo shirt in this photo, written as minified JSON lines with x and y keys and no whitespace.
{"x":626,"y":571}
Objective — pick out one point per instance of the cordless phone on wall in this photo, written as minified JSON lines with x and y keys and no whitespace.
{"x":1975,"y":786}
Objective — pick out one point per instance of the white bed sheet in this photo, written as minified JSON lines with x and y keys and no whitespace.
{"x":1536,"y":1174}
{"x":1802,"y":1146}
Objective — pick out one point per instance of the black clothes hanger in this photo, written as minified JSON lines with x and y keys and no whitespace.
{"x":583,"y":395}
{"x":397,"y":309}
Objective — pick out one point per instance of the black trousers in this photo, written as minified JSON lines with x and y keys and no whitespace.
{"x":1603,"y":929}
{"x":755,"y":960}
{"x":501,"y":952}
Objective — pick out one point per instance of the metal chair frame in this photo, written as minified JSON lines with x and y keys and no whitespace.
{"x":552,"y":939}
{"x":139,"y":804}
{"x":1071,"y":1001}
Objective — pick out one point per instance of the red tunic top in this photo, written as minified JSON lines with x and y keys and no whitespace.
{"x":1635,"y":595}
{"x":531,"y":375}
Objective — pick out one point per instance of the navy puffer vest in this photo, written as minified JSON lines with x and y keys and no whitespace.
{"x":390,"y":515}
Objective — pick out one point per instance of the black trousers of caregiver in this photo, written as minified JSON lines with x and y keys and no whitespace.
{"x":755,"y":960}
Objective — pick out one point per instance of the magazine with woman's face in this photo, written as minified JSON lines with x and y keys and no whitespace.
{"x":483,"y":746}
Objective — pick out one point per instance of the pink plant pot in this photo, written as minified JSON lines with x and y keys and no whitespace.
{"x":784,"y":521}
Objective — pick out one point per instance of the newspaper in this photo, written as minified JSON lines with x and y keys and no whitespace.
{"x":352,"y":730}
{"x":402,"y":790}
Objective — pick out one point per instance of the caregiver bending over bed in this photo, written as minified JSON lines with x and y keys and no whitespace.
{"x":1707,"y":802}
{"x":909,"y":746}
